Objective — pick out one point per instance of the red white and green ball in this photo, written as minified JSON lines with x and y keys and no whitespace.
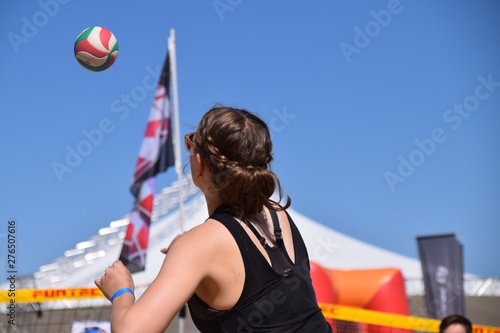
{"x":96,"y":49}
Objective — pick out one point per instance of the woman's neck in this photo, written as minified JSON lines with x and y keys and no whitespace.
{"x":213,"y":201}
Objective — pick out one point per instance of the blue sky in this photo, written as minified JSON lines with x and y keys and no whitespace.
{"x":384,"y":114}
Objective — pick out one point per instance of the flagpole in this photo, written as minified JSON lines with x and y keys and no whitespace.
{"x":177,"y":144}
{"x":177,"y":136}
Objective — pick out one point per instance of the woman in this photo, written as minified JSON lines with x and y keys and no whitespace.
{"x":245,"y":269}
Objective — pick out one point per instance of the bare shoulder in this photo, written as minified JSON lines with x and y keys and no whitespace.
{"x":208,"y":232}
{"x":215,"y":235}
{"x":203,"y":239}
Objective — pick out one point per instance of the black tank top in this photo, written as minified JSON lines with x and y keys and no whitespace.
{"x":274,"y":299}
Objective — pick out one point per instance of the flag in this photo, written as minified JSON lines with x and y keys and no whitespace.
{"x":155,"y":156}
{"x":441,"y":258}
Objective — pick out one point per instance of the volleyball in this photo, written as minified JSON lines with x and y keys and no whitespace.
{"x":96,"y":49}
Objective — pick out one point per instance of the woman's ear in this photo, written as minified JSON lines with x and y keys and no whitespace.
{"x":202,"y":165}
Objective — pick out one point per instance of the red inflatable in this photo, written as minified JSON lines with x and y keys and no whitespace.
{"x":371,"y":289}
{"x":323,"y":286}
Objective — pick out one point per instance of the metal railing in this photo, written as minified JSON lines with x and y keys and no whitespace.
{"x":472,"y":287}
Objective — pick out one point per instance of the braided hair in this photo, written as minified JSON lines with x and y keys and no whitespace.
{"x":236,"y":144}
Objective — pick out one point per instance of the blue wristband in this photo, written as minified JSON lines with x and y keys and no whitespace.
{"x":120,"y":292}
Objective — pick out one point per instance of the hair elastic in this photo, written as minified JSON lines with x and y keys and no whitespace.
{"x":120,"y":292}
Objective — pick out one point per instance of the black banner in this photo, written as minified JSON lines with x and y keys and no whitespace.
{"x":441,"y":257}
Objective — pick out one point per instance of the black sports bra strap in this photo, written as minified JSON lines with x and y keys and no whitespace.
{"x":277,"y":230}
{"x":280,"y":261}
{"x":261,"y":239}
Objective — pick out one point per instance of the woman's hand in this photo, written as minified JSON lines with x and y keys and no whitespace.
{"x":115,"y":277}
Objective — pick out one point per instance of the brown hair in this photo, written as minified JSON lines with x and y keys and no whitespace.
{"x":455,"y":319}
{"x":237,"y":146}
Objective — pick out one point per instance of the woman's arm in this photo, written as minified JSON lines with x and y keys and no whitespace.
{"x":184,"y":267}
